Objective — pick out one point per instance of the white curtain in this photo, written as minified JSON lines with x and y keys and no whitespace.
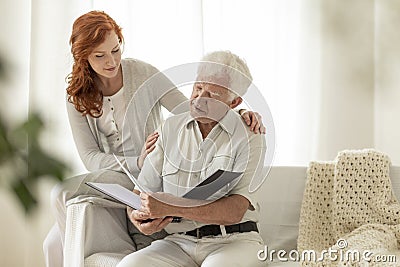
{"x":167,"y":33}
{"x":300,"y":55}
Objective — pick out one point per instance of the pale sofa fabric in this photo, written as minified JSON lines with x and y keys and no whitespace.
{"x":280,"y":199}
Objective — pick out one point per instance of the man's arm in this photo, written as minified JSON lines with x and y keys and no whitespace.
{"x":224,"y":211}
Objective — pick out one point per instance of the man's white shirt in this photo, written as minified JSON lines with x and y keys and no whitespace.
{"x":182,"y":159}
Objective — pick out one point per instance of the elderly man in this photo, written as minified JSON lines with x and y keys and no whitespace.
{"x":222,"y":230}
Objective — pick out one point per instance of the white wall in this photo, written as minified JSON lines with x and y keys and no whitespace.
{"x":22,"y":235}
{"x":387,"y":78}
{"x":15,"y":236}
{"x":335,"y":101}
{"x":358,"y":75}
{"x":15,"y":48}
{"x":346,"y":77}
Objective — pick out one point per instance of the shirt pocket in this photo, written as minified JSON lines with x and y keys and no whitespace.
{"x":220,"y":162}
{"x":225,"y":163}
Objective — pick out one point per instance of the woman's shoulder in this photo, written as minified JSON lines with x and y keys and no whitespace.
{"x":137,"y":68}
{"x":136,"y":63}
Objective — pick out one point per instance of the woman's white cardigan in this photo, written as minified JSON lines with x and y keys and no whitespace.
{"x":145,"y":98}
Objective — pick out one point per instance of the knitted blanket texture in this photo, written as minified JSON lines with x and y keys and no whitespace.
{"x":350,"y":211}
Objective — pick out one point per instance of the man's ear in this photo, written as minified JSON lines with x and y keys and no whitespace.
{"x":236,"y":102}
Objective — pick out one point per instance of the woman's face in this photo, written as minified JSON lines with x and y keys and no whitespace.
{"x":106,"y":58}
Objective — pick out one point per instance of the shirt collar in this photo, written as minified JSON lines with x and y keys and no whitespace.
{"x":227,"y":123}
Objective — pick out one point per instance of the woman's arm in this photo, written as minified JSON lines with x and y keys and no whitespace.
{"x":89,"y":149}
{"x":174,"y":102}
{"x":253,"y":120}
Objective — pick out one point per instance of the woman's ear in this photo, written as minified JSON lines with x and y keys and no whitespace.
{"x":236,"y":102}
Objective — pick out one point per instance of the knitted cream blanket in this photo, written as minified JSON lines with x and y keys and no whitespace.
{"x":349,"y":215}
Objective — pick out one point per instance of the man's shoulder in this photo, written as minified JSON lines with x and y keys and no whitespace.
{"x":240,"y":131}
{"x":244,"y":137}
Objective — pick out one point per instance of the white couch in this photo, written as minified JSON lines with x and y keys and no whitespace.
{"x":280,"y":198}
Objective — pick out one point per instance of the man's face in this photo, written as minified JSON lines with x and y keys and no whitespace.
{"x":210,"y":102}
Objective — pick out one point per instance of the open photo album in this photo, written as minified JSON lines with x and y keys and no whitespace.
{"x":201,"y":191}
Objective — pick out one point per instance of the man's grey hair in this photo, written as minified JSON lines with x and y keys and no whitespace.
{"x":226,"y":69}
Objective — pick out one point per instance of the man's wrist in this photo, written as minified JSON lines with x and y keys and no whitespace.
{"x":175,"y":211}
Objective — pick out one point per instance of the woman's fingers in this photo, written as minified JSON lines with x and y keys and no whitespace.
{"x":149,"y":150}
{"x":151,"y":142}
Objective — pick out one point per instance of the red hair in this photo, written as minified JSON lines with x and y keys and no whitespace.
{"x":88,"y":32}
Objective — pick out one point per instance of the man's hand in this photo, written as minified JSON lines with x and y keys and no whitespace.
{"x":253,"y":120}
{"x":146,"y":225}
{"x":157,"y":205}
{"x":148,"y":147}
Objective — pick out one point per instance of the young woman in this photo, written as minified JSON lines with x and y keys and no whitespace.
{"x":100,"y":88}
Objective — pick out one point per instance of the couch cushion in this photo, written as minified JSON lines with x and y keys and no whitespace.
{"x":395,"y":179}
{"x":280,"y":200}
{"x":104,"y":259}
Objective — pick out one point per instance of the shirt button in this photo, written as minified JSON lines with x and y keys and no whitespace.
{"x":112,"y":108}
{"x":109,"y":99}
